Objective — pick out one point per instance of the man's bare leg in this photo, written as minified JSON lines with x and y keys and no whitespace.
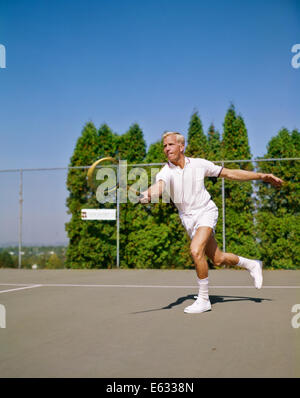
{"x":198,"y":250}
{"x":218,"y":257}
{"x":197,"y":247}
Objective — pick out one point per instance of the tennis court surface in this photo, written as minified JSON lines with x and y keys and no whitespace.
{"x":130,"y":323}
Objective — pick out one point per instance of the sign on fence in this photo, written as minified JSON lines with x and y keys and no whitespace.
{"x":98,"y":214}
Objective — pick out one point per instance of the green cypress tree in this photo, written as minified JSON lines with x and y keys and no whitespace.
{"x":91,"y":243}
{"x":278,"y":218}
{"x":235,"y":143}
{"x":155,"y":153}
{"x":108,"y":142}
{"x":295,"y":136}
{"x":132,"y":148}
{"x":214,"y":185}
{"x":239,"y":205}
{"x":131,"y":145}
{"x":197,"y":145}
{"x":214,"y":144}
{"x":84,"y":154}
{"x":104,"y":233}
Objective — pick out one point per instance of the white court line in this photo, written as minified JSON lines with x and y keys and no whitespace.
{"x":144,"y":286}
{"x":16,"y":284}
{"x":19,"y":288}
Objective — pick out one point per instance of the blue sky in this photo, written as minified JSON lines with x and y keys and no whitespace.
{"x":151,"y":62}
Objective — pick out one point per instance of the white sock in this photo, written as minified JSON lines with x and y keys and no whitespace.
{"x":246,"y":263}
{"x":203,"y":288}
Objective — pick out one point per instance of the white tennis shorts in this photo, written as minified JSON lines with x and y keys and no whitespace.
{"x":205,"y":217}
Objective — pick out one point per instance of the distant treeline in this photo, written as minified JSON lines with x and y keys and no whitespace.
{"x":37,"y":256}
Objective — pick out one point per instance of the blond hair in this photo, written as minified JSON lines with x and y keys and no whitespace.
{"x":179,"y":137}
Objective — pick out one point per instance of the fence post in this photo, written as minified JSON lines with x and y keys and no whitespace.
{"x":20,"y":217}
{"x":223,"y":213}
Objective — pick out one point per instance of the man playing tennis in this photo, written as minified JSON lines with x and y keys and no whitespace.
{"x":183,"y":179}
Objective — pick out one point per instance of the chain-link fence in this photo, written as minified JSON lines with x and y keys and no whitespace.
{"x":33,"y":211}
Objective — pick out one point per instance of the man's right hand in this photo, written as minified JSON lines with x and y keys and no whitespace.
{"x":154,"y":191}
{"x":143,"y":198}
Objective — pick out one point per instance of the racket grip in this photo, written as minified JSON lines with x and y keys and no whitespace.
{"x":141,"y":196}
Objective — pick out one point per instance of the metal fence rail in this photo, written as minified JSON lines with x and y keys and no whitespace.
{"x":21,"y":172}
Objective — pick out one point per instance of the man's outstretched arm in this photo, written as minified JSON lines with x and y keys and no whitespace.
{"x":155,"y":190}
{"x":244,"y":175}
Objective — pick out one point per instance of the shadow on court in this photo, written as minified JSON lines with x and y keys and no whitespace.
{"x":213,"y":299}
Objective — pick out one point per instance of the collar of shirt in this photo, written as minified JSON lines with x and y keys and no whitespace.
{"x":186,"y":162}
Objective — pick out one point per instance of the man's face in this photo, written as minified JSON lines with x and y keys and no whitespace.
{"x":172,"y":149}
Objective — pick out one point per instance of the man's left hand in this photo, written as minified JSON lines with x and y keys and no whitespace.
{"x":275,"y":181}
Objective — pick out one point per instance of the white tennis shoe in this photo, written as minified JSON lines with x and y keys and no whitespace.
{"x":200,"y":305}
{"x":257,"y":275}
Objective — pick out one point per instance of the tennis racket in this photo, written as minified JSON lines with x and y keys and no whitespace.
{"x":104,"y":163}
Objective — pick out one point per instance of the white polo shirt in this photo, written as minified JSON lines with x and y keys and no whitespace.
{"x":186,"y":186}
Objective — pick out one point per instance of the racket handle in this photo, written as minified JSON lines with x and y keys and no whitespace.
{"x":141,"y":196}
